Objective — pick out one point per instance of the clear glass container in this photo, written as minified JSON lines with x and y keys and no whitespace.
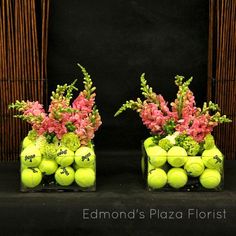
{"x":182,"y":173}
{"x":68,"y":171}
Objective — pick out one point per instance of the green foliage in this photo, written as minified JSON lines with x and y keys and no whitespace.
{"x":49,"y":150}
{"x":183,"y":88}
{"x":180,"y":139}
{"x":57,"y":113}
{"x":70,"y":127}
{"x":214,"y":110}
{"x":131,"y":104}
{"x":147,"y":91}
{"x":145,"y":88}
{"x":166,"y":144}
{"x":220,"y":119}
{"x":188,"y":143}
{"x":209,"y":142}
{"x":157,"y":138}
{"x":70,"y":89}
{"x":71,"y":141}
{"x":94,"y":115}
{"x":169,"y":127}
{"x":88,"y":83}
{"x":17,"y":105}
{"x":32,"y":135}
{"x":137,"y":105}
{"x":20,"y":106}
{"x":179,"y":82}
{"x":209,"y":107}
{"x":50,"y":137}
{"x":201,"y":149}
{"x":64,"y":92}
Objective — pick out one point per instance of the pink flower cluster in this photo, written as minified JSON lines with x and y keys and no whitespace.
{"x":192,"y":121}
{"x":155,"y":116}
{"x":81,"y":117}
{"x":33,"y":112}
{"x":187,"y":117}
{"x":83,"y":104}
{"x":197,"y":127}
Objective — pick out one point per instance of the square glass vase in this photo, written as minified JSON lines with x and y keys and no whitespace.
{"x":182,"y":173}
{"x":68,"y":171}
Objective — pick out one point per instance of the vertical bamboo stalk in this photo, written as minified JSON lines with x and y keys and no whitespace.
{"x":34,"y":49}
{"x":4,"y":39}
{"x":1,"y":45}
{"x":46,"y":52}
{"x":210,"y":50}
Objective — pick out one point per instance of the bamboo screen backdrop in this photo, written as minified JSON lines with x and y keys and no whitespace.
{"x":23,"y":59}
{"x":23,"y":54}
{"x":222,"y":69}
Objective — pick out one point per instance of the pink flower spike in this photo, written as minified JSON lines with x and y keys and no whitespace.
{"x":83,"y":104}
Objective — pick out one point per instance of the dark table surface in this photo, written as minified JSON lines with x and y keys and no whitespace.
{"x":120,"y":206}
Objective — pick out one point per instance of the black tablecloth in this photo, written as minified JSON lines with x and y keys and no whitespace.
{"x":120,"y":206}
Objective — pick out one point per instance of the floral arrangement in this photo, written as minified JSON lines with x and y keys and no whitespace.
{"x":181,"y":152}
{"x":73,"y":124}
{"x":58,"y":150}
{"x":183,"y":121}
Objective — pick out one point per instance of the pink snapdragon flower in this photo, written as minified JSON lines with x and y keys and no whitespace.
{"x":163,"y":105}
{"x":86,"y":128}
{"x":200,"y":127}
{"x":97,"y":122}
{"x":153,"y":118}
{"x":50,"y":125}
{"x":34,"y":109}
{"x":56,"y":106}
{"x":83,"y":104}
{"x":197,"y":127}
{"x":33,"y":112}
{"x":187,"y":107}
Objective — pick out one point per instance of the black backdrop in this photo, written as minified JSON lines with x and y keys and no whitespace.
{"x":118,"y":40}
